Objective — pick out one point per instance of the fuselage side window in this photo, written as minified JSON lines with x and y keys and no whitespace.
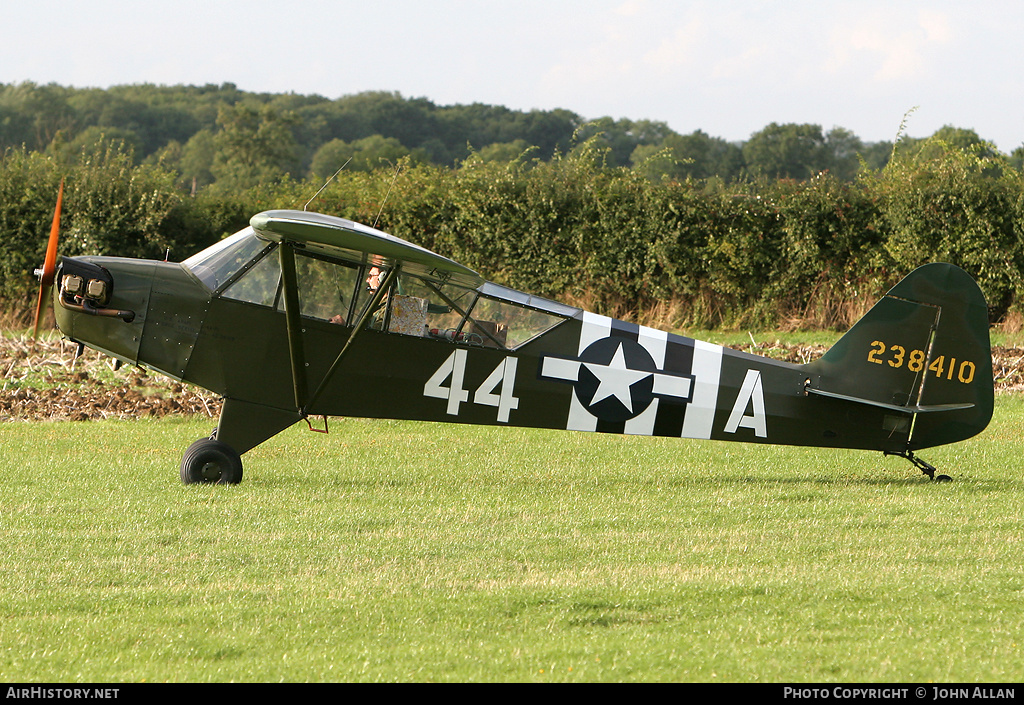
{"x":460,"y":315}
{"x":326,"y":288}
{"x":442,"y":307}
{"x":514,"y":325}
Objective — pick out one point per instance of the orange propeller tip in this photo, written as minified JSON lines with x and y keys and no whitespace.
{"x":49,"y":270}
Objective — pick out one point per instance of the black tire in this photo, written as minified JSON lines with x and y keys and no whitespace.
{"x":211,"y":462}
{"x":943,"y":478}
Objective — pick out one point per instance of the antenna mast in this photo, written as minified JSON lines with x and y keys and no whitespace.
{"x":326,"y":184}
{"x":398,"y":170}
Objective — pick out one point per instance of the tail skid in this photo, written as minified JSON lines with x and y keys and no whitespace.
{"x":925,"y":467}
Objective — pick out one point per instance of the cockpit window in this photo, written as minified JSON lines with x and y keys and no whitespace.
{"x":510,"y":323}
{"x":261,"y":284}
{"x":245,"y":268}
{"x":326,"y":288}
{"x":447,"y":312}
{"x":217,"y":264}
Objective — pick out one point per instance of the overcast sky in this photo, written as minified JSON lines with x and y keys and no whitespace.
{"x":728,"y":67}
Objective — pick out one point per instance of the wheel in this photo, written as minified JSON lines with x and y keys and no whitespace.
{"x":943,"y":478}
{"x":210,"y":461}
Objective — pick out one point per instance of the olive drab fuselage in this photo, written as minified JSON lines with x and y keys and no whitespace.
{"x":915,"y":372}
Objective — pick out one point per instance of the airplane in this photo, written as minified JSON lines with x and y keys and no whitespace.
{"x":303,"y":315}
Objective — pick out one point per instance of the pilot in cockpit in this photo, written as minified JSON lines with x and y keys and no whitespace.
{"x":374,"y":278}
{"x":411,"y":309}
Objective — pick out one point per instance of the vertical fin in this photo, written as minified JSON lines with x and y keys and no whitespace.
{"x":924,"y":344}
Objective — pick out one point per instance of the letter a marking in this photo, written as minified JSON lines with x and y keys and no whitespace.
{"x":751,"y":393}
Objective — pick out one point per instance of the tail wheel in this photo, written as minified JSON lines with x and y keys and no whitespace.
{"x":211,"y":462}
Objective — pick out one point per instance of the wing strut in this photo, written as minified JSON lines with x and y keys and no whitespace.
{"x":359,"y":327}
{"x":291,"y":311}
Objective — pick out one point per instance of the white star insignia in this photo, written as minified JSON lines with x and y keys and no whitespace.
{"x":615,"y":379}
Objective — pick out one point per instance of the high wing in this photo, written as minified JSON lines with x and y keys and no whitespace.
{"x":360,"y":244}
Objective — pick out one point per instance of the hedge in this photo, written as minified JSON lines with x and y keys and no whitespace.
{"x":704,"y":253}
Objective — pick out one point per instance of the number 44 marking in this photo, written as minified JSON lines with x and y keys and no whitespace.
{"x":454,"y":369}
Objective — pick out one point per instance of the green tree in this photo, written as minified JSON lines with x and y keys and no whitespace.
{"x":843,"y":150}
{"x":1017,"y":158}
{"x":787,"y":151}
{"x":961,"y":138}
{"x":622,"y":137}
{"x":504,"y":152}
{"x":944,"y":140}
{"x":95,"y":141}
{"x":254,"y":146}
{"x":366,"y":154}
{"x":876,"y":154}
{"x":34,"y":116}
{"x":142,"y":109}
{"x":197,"y":157}
{"x":410,"y":121}
{"x":549,"y":130}
{"x":696,"y":155}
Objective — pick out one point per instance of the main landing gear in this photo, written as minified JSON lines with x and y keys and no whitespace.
{"x":242,"y":427}
{"x":925,"y":467}
{"x":212,"y":462}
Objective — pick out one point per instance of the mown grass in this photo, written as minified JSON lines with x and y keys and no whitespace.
{"x":399,"y":551}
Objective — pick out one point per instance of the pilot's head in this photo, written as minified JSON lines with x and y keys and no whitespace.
{"x":373,"y":279}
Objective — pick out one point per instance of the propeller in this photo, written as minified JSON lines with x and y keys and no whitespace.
{"x":49,"y":269}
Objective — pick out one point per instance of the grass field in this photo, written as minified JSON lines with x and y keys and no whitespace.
{"x":397,"y":551}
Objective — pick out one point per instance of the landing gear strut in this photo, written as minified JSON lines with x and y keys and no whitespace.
{"x":925,"y":467}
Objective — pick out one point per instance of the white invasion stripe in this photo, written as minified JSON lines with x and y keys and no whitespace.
{"x":656,"y":343}
{"x":595,"y":328}
{"x":707,"y":373}
{"x":579,"y":418}
{"x":643,"y":425}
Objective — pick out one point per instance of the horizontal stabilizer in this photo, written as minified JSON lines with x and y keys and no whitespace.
{"x":892,"y":407}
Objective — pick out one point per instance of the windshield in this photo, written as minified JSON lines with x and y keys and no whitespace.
{"x":217,"y":264}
